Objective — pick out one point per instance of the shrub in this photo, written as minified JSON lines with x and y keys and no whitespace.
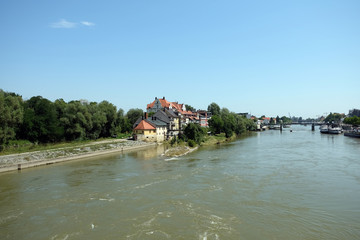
{"x":191,"y":143}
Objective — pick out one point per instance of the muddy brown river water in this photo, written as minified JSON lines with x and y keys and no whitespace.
{"x":269,"y":185}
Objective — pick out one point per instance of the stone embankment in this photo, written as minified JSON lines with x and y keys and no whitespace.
{"x":46,"y":157}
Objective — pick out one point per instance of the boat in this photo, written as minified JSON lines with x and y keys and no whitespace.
{"x":353,"y":133}
{"x":335,"y":129}
{"x":274,"y":127}
{"x":286,"y":126}
{"x":324,"y":129}
{"x":331,"y":129}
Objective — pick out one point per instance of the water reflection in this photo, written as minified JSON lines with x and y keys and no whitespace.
{"x":149,"y":153}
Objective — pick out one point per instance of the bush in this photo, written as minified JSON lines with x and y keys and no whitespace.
{"x":194,"y":132}
{"x":191,"y":143}
{"x":173,"y":141}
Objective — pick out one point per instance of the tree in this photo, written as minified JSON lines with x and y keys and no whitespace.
{"x":194,"y":132}
{"x":41,"y":121}
{"x":109,"y":111}
{"x":216,"y":124}
{"x":272,"y":121}
{"x":229,"y":124}
{"x":77,"y":120}
{"x":286,"y":120}
{"x":355,"y":120}
{"x":133,"y":114}
{"x":241,"y":124}
{"x":278,"y":119}
{"x":189,"y":108}
{"x":214,"y":109}
{"x":11,"y":115}
{"x":334,"y":117}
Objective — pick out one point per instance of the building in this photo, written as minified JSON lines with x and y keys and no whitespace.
{"x":145,"y":131}
{"x":354,"y":112}
{"x":150,"y":129}
{"x":162,"y":104}
{"x":203,"y":117}
{"x":172,"y":119}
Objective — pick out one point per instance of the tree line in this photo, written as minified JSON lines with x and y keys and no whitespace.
{"x":224,"y":121}
{"x":41,"y":120}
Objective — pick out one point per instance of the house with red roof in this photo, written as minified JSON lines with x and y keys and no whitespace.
{"x":162,"y":104}
{"x":150,"y":129}
{"x":185,"y":117}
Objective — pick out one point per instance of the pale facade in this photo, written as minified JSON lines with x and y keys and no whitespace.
{"x":146,"y":135}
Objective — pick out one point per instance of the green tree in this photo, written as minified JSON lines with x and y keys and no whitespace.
{"x":214,"y":109}
{"x":41,"y":122}
{"x":241,"y":125}
{"x":194,"y":132}
{"x":216,"y":124}
{"x":229,"y":123}
{"x":133,"y":114}
{"x":355,"y":120}
{"x":286,"y":120}
{"x":334,"y":117}
{"x":98,"y":121}
{"x":272,"y":121}
{"x":277,"y":119}
{"x":109,"y":110}
{"x":190,"y":108}
{"x":11,"y":115}
{"x":77,"y":120}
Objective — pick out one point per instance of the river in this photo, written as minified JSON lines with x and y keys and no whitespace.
{"x":269,"y":185}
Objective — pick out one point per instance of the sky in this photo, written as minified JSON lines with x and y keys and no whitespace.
{"x":297,"y":58}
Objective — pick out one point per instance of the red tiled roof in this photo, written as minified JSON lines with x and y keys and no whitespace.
{"x":164,"y":103}
{"x":144,"y":125}
{"x":177,"y":106}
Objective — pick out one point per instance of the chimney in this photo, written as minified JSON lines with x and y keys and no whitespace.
{"x":163,"y":98}
{"x":146,"y":115}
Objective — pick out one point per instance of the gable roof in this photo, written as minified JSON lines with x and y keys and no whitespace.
{"x":144,"y":125}
{"x":171,"y":113}
{"x":161,"y":115}
{"x":156,"y":122}
{"x":166,"y":104}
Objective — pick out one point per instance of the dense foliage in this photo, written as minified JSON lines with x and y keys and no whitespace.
{"x":214,"y":109}
{"x":334,"y":117}
{"x":190,"y":108}
{"x":11,"y":115}
{"x":40,"y":120}
{"x":194,"y":132}
{"x":228,"y":122}
{"x":355,"y":120}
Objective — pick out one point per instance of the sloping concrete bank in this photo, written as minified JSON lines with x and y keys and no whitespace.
{"x":39,"y":158}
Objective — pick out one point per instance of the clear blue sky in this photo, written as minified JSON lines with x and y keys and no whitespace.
{"x":263,"y":57}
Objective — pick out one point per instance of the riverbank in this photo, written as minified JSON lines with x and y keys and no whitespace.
{"x":46,"y":157}
{"x":13,"y":162}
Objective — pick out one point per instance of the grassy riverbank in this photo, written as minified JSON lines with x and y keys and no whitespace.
{"x":23,"y":146}
{"x":181,"y":148}
{"x":217,"y":139}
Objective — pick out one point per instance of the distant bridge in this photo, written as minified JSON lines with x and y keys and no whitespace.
{"x":307,"y":123}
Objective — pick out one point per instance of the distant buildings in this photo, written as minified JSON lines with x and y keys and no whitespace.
{"x":164,"y":120}
{"x":354,"y":112}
